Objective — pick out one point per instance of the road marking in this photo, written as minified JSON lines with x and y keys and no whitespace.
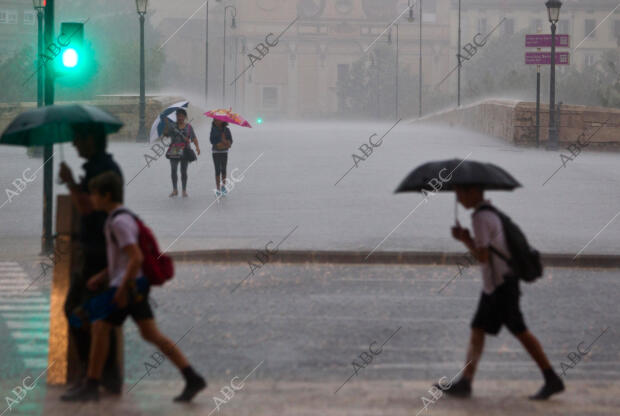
{"x":26,"y":315}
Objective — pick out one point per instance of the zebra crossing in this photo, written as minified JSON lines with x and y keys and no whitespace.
{"x":24,"y":310}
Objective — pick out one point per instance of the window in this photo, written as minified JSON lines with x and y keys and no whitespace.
{"x":2,"y":16}
{"x":29,"y":18}
{"x":589,"y":60}
{"x":535,"y":25}
{"x":509,"y":27}
{"x":11,"y":17}
{"x":563,"y":27}
{"x":590,"y":24}
{"x":270,"y":97}
{"x":482,"y":26}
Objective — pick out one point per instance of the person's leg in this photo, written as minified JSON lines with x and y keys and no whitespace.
{"x":193,"y":381}
{"x":100,"y":342}
{"x":217,"y":171}
{"x":224,"y":162}
{"x":184,"y":164}
{"x":174,"y":163}
{"x":516,"y":325}
{"x":474,"y":353}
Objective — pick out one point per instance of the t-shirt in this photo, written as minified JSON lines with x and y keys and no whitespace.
{"x":488,"y":230}
{"x":120,"y":231}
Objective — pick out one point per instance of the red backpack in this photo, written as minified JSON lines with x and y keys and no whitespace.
{"x":157,"y":267}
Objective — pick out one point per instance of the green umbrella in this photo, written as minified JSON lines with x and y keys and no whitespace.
{"x":53,"y":124}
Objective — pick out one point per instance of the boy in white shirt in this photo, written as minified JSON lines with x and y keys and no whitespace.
{"x":499,"y":302}
{"x":124,"y":273}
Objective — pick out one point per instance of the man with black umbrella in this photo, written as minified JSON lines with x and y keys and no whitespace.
{"x":90,"y":141}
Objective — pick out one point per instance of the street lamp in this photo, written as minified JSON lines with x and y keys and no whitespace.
{"x":553,"y":9}
{"x":420,"y":62}
{"x":141,"y":9}
{"x":232,"y":25}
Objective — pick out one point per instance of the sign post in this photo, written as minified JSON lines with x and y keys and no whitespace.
{"x":539,"y":58}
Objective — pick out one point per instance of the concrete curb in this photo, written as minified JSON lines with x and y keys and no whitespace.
{"x":382,"y":257}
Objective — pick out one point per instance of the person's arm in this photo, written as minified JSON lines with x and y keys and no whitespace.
{"x":229,"y":135}
{"x":134,"y":264}
{"x":81,"y":200}
{"x":479,"y":253}
{"x":194,"y":139}
{"x":95,"y":281}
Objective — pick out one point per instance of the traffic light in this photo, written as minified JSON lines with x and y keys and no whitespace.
{"x":75,"y":62}
{"x":71,"y":40}
{"x":259,"y":120}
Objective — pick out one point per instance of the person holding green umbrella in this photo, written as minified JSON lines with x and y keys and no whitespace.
{"x":87,"y":127}
{"x":504,"y":255}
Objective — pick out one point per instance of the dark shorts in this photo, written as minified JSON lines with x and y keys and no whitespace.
{"x":500,"y":308}
{"x":220,"y":161}
{"x":138,"y":308}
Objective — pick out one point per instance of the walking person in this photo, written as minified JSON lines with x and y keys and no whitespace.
{"x":221,"y":141}
{"x":124,"y":274}
{"x":90,"y":141}
{"x":179,"y":152}
{"x":499,"y":301}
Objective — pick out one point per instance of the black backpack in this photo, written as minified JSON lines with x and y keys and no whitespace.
{"x":524,"y":261}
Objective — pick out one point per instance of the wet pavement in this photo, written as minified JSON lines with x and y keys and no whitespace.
{"x":296,"y":329}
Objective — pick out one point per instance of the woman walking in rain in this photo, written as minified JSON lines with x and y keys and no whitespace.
{"x":179,"y":152}
{"x":221,"y":140}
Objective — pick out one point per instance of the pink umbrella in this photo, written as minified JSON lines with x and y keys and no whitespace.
{"x":228,"y":116}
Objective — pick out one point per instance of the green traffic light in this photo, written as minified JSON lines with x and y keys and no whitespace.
{"x":70,"y":58}
{"x":259,"y":120}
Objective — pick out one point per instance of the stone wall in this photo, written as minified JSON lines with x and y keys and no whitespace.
{"x":124,"y":107}
{"x":515,"y":121}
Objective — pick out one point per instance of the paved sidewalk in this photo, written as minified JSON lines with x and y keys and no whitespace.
{"x":258,"y":398}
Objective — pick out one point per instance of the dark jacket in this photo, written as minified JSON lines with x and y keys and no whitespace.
{"x":216,"y":137}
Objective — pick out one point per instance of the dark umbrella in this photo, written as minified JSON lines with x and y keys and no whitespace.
{"x":53,"y":124}
{"x":446,"y":175}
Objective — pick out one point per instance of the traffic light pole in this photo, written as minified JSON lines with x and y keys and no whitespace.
{"x":142,"y":129}
{"x":47,"y":243}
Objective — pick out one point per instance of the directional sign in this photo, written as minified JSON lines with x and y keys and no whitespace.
{"x":544,"y":58}
{"x":544,"y":41}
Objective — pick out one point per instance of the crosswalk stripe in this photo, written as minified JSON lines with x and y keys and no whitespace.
{"x":28,"y":325}
{"x":29,"y":335}
{"x":35,"y":362}
{"x":24,"y":307}
{"x":38,"y":349}
{"x":25,"y":316}
{"x":30,"y":299}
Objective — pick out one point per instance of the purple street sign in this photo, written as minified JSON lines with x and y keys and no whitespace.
{"x":544,"y":58}
{"x":544,"y":41}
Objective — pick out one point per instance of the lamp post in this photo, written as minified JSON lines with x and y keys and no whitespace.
{"x":141,"y":9}
{"x":207,"y":53}
{"x":553,"y":9}
{"x":420,"y":59}
{"x":458,"y":87}
{"x":39,"y":7}
{"x":233,"y":25}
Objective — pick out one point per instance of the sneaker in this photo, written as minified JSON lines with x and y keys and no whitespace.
{"x":85,"y":393}
{"x":218,"y":193}
{"x":173,"y":194}
{"x":185,"y":195}
{"x":192,"y":388}
{"x":551,"y":387}
{"x":224,"y":191}
{"x":461,"y":389}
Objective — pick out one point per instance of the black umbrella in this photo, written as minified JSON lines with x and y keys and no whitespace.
{"x":446,"y":175}
{"x":53,"y":124}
